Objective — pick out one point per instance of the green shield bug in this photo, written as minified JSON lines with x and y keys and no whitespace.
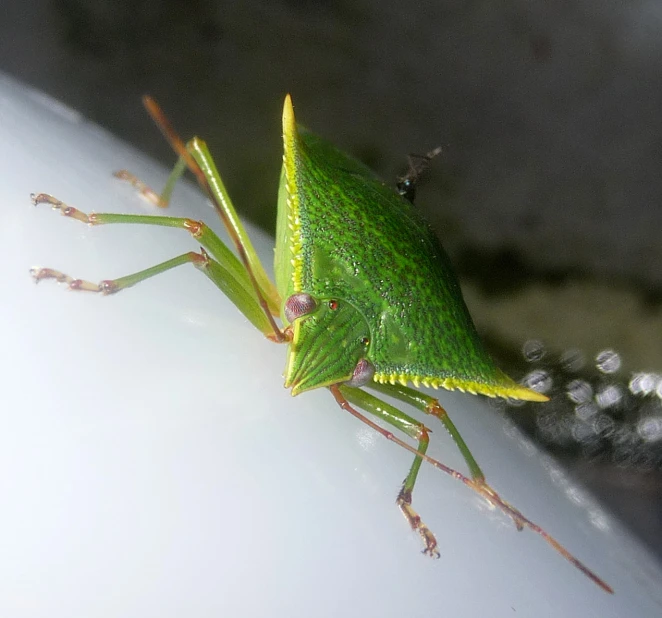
{"x":364,"y":292}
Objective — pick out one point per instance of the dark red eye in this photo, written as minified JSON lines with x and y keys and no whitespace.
{"x":333,"y":305}
{"x":298,"y":305}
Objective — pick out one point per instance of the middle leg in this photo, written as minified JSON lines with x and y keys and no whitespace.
{"x":430,"y":405}
{"x":343,"y":394}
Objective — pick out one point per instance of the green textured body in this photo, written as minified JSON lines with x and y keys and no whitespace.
{"x":351,"y":237}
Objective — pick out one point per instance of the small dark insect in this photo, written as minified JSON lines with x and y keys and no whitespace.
{"x":418,"y":164}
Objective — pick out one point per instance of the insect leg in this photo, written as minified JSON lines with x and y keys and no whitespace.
{"x":225,"y":270}
{"x":431,"y":406}
{"x":344,"y":394}
{"x":198,"y":159}
{"x":221,"y":277}
{"x":414,"y":429}
{"x":200,"y":231}
{"x":147,"y":192}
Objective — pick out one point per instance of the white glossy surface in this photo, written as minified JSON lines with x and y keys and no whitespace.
{"x":151,"y":463}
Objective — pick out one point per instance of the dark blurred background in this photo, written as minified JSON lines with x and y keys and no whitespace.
{"x":546,"y":194}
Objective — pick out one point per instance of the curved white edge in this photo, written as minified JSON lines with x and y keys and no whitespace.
{"x":152,"y":464}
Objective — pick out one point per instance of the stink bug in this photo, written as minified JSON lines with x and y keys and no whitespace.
{"x":364,"y":292}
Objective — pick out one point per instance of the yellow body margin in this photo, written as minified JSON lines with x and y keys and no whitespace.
{"x":290,"y":153}
{"x":507,"y":391}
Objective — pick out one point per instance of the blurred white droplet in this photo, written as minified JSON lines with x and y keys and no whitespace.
{"x":539,"y":380}
{"x":582,"y":432}
{"x":545,"y":421}
{"x":608,"y":396}
{"x":533,"y":350}
{"x":579,"y":391}
{"x":644,"y":383}
{"x":650,"y":428}
{"x":624,"y":435}
{"x":603,"y":425}
{"x":608,"y":361}
{"x":585,"y":410}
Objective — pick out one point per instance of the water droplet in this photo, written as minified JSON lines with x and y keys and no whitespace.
{"x":549,"y":428}
{"x":650,"y":428}
{"x":582,"y":432}
{"x":585,"y":410}
{"x":603,"y":425}
{"x":624,"y":436}
{"x":533,"y":350}
{"x":608,"y":361}
{"x":579,"y":391}
{"x":608,"y":396}
{"x":539,"y":380}
{"x":644,"y":383}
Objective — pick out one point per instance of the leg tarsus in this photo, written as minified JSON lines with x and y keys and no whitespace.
{"x":105,"y":287}
{"x":163,"y":199}
{"x":65,"y":210}
{"x":404,"y":503}
{"x":110,"y":286}
{"x":143,"y":189}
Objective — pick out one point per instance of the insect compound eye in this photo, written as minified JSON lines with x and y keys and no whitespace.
{"x":363,"y":373}
{"x":298,"y":305}
{"x":333,"y":305}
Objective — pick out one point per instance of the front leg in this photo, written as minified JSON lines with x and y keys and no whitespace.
{"x":226,"y":272}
